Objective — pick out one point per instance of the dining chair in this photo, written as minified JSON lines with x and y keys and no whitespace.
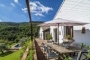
{"x":42,"y":45}
{"x":51,"y":54}
{"x":77,"y":45}
{"x":85,"y":47}
{"x":44,"y":48}
{"x":82,"y":55}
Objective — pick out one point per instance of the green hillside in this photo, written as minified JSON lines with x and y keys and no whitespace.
{"x":11,"y":31}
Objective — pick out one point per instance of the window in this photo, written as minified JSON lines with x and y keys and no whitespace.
{"x":68,"y":31}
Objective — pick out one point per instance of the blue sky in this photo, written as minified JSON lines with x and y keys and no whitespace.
{"x":16,"y":11}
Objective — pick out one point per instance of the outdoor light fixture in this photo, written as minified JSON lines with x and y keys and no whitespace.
{"x":83,"y":30}
{"x":29,"y":13}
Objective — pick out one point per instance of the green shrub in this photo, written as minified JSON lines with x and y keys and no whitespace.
{"x":49,"y":37}
{"x":68,"y":37}
{"x":66,"y":58}
{"x":88,"y":55}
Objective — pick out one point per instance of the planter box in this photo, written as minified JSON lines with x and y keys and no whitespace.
{"x":68,"y":41}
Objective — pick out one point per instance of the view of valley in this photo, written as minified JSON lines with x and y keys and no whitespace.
{"x":14,"y":39}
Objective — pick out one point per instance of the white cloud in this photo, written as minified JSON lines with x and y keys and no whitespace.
{"x":16,"y":1}
{"x":38,"y":9}
{"x":39,"y":14}
{"x":24,"y":9}
{"x":13,"y":4}
{"x":2,"y":5}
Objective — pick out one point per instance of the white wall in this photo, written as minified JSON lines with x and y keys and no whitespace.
{"x":41,"y":33}
{"x":60,"y":32}
{"x":51,"y":31}
{"x":78,"y":36}
{"x":82,"y":38}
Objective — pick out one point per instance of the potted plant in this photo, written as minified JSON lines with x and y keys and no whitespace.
{"x":66,"y":58}
{"x":68,"y":40}
{"x":88,"y":55}
{"x":49,"y":37}
{"x":88,"y":49}
{"x":69,"y":37}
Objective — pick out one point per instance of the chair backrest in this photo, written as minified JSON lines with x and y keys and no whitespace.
{"x":48,"y":50}
{"x":85,"y":47}
{"x":44,"y":47}
{"x":77,"y":45}
{"x":82,"y":55}
{"x":42,"y":44}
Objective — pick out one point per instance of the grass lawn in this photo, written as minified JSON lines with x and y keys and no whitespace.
{"x":31,"y":52}
{"x":30,"y":55}
{"x":16,"y":55}
{"x":12,"y":56}
{"x":28,"y":43}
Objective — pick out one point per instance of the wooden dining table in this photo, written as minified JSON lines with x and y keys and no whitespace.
{"x":63,"y":50}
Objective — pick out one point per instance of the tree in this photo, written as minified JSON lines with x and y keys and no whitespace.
{"x":2,"y":47}
{"x":13,"y":32}
{"x":22,"y":41}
